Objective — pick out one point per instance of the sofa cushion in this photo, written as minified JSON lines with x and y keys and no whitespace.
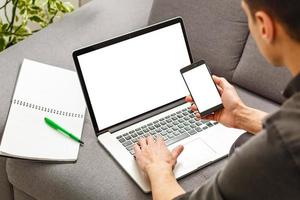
{"x":94,"y":22}
{"x":217,"y":30}
{"x":256,"y":101}
{"x":20,"y":195}
{"x":257,"y":75}
{"x":5,"y":187}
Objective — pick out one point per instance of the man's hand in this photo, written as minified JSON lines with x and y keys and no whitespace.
{"x":235,"y":113}
{"x":231,"y":102}
{"x":157,"y":162}
{"x":154,"y":155}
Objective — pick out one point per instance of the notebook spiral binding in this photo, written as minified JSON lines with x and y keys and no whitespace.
{"x":45,"y":109}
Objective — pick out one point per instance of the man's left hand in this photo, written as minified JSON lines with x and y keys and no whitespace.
{"x":153,"y":155}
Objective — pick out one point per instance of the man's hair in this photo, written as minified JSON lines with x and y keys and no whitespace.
{"x":287,"y":12}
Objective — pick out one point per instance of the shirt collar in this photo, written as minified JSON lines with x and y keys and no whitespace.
{"x":293,"y":87}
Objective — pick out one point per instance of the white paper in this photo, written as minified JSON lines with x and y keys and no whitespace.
{"x":26,"y":135}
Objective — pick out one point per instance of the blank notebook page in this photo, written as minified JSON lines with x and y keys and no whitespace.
{"x":44,"y":91}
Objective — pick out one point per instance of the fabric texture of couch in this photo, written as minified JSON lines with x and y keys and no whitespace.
{"x":217,"y":32}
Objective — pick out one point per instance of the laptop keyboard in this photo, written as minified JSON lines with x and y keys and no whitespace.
{"x":172,"y":128}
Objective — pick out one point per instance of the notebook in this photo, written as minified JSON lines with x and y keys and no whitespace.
{"x":44,"y":91}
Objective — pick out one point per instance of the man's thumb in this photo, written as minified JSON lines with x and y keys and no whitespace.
{"x":177,"y":151}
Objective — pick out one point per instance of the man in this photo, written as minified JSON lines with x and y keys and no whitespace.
{"x":267,"y":166}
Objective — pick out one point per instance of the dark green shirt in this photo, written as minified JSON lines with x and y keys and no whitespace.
{"x":267,"y":166}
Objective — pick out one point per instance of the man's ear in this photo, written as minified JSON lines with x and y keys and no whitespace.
{"x":266,"y":26}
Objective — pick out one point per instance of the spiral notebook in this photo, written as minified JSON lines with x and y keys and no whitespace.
{"x":44,"y":91}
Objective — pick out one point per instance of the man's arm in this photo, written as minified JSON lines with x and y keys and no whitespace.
{"x":261,"y":169}
{"x":163,"y":183}
{"x":157,"y":162}
{"x":249,"y":119}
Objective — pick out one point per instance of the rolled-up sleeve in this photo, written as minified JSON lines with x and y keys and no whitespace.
{"x":208,"y":191}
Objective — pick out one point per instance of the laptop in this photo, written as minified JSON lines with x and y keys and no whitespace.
{"x":133,"y":88}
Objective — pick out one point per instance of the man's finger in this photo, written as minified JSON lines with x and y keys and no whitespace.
{"x":160,"y":140}
{"x":150,"y":140}
{"x":137,"y":149}
{"x":220,"y":89}
{"x":189,"y":99}
{"x":221,"y":82}
{"x":142,"y":143}
{"x":216,"y":79}
{"x":194,"y":107}
{"x":177,"y":151}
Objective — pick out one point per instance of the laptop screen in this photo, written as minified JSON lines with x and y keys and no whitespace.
{"x":134,"y":76}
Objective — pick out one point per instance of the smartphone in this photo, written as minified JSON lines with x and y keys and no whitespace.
{"x":202,"y":88}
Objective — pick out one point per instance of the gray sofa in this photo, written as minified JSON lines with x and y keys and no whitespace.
{"x":217,"y":32}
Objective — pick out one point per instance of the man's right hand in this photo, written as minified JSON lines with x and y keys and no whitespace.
{"x":235,"y":113}
{"x":231,"y":102}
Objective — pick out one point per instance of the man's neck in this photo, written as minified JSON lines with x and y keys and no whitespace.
{"x":292,"y":57}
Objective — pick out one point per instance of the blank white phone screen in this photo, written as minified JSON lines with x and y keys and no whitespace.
{"x":202,"y":88}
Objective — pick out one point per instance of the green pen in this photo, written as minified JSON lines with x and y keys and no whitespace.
{"x":55,"y":126}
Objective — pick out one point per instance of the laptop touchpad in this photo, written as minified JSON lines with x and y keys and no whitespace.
{"x":196,"y":153}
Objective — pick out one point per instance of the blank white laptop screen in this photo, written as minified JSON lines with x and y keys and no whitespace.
{"x":134,"y":76}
